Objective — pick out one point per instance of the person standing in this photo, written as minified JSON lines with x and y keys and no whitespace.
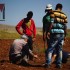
{"x":46,"y":23}
{"x":28,"y":26}
{"x":57,"y":35}
{"x":46,"y":26}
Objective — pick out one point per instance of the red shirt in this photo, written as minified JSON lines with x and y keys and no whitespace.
{"x":27,"y":30}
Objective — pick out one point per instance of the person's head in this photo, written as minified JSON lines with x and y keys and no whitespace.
{"x":59,"y":6}
{"x":48,"y":8}
{"x":25,"y":37}
{"x":29,"y":14}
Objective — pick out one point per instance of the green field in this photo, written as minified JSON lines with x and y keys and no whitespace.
{"x":7,"y":35}
{"x":68,"y":33}
{"x":9,"y":32}
{"x":11,"y":35}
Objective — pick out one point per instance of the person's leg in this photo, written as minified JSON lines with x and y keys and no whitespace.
{"x":59,"y":58}
{"x":14,"y":59}
{"x":66,"y":57}
{"x":59,"y":50}
{"x":25,"y":52}
{"x":30,"y":44}
{"x":52,"y":43}
{"x":11,"y":58}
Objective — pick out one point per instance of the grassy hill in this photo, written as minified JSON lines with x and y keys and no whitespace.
{"x":9,"y":32}
{"x":7,"y":28}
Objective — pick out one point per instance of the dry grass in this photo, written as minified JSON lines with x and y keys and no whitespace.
{"x":9,"y":32}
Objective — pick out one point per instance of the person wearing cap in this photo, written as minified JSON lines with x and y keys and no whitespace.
{"x":46,"y":21}
{"x":19,"y":50}
{"x":46,"y":24}
{"x":28,"y":27}
{"x":57,"y":32}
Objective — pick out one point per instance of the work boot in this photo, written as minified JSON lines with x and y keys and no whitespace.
{"x":68,"y":59}
{"x":46,"y":65}
{"x":30,"y":57}
{"x":59,"y":66}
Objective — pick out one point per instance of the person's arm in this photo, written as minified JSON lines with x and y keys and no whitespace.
{"x":50,"y":27}
{"x":18,"y":26}
{"x":30,"y":52}
{"x":44,"y":28}
{"x":65,"y":31}
{"x":34,"y":30}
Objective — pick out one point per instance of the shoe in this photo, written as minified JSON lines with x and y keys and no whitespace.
{"x":24,"y":63}
{"x":31,"y":57}
{"x":59,"y":66}
{"x":25,"y":58}
{"x":69,"y":54}
{"x":46,"y":65}
{"x":68,"y":59}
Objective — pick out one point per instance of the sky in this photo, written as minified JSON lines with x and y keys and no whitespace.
{"x":15,"y":10}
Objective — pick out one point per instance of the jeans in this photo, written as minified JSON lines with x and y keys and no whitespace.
{"x":55,"y":43}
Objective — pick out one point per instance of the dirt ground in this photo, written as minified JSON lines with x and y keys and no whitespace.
{"x":36,"y":64}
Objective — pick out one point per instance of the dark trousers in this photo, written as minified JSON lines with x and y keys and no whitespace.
{"x":14,"y":58}
{"x":30,"y":43}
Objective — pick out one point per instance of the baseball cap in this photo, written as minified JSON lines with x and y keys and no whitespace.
{"x":24,"y":36}
{"x":48,"y":7}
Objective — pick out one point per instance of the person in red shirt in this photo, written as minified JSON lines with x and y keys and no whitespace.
{"x":28,"y":26}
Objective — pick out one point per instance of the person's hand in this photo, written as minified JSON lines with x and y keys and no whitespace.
{"x":44,"y":37}
{"x":22,"y":33}
{"x":35,"y":56}
{"x":64,"y":38}
{"x":48,"y":35}
{"x":33,"y":39}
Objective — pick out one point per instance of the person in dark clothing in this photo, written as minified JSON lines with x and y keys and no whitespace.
{"x":66,"y":57}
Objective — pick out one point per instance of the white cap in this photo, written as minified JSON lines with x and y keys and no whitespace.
{"x":24,"y":36}
{"x":49,"y":6}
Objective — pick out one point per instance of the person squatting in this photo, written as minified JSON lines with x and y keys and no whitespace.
{"x":19,"y":51}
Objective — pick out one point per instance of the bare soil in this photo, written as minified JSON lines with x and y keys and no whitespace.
{"x":36,"y":64}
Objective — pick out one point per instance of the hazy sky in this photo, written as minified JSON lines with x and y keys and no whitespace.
{"x":15,"y":10}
